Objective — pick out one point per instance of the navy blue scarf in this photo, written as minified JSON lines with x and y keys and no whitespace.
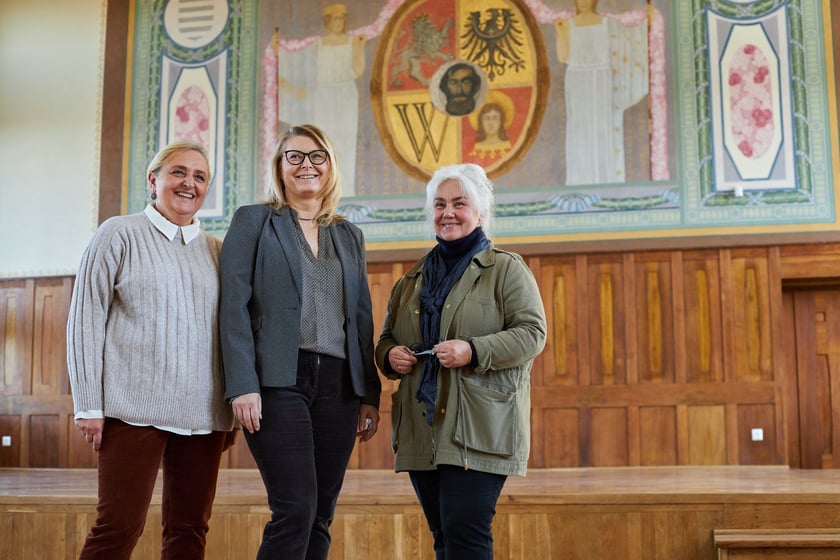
{"x":444,"y":265}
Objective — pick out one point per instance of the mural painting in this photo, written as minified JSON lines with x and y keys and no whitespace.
{"x":595,"y":119}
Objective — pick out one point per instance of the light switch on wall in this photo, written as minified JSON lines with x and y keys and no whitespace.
{"x":757,"y":434}
{"x":6,"y":441}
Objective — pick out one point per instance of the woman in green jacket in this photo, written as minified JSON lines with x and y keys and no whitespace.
{"x":463,"y":328}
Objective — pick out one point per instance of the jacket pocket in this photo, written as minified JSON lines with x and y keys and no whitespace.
{"x":486,"y":420}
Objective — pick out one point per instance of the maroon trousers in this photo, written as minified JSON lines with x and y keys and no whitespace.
{"x":128,"y":464}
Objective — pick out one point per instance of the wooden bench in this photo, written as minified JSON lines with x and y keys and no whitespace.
{"x":779,"y":544}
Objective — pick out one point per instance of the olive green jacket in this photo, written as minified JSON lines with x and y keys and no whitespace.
{"x":482,"y":414}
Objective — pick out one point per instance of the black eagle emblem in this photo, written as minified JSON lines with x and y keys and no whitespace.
{"x":495,"y":44}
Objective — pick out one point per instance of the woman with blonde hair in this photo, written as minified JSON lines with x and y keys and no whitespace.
{"x":297,"y":342}
{"x":145,"y":371}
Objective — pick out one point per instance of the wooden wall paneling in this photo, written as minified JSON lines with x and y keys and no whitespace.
{"x":731,"y":433}
{"x":585,"y":437}
{"x":658,"y":435}
{"x":49,"y":345}
{"x":44,"y":449}
{"x":817,"y":312}
{"x":782,"y":365}
{"x":817,"y":515}
{"x":16,"y":318}
{"x":627,"y":322}
{"x":678,"y":303}
{"x":811,"y":372}
{"x":751,"y":322}
{"x":585,"y":532}
{"x":517,"y":536}
{"x":239,"y":456}
{"x":607,"y":315}
{"x":762,"y":452}
{"x":727,"y":323}
{"x":559,"y":289}
{"x":654,"y":320}
{"x":683,"y":435}
{"x":234,"y":533}
{"x":584,"y":364}
{"x":43,"y":422}
{"x":10,"y":425}
{"x":377,"y":453}
{"x":560,"y":440}
{"x":805,"y":262}
{"x":787,"y":384}
{"x":680,"y":532}
{"x":609,"y":436}
{"x":831,"y":422}
{"x":634,"y":435}
{"x":701,"y":300}
{"x":554,"y":429}
{"x":707,"y":435}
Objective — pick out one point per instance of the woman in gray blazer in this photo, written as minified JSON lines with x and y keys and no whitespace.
{"x":297,"y":342}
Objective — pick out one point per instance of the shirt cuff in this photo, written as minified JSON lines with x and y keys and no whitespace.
{"x":89,"y":415}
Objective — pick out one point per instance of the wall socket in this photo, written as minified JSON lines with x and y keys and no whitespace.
{"x":757,"y":434}
{"x":6,"y":441}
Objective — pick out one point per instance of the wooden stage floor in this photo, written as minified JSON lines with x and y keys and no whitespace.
{"x":633,"y":513}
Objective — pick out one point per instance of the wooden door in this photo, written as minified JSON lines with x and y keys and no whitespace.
{"x":816,"y":342}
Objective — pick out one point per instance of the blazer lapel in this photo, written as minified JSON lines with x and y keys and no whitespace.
{"x":344,"y":248}
{"x":284,"y":231}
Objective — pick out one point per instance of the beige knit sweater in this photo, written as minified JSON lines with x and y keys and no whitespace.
{"x":142,"y":340}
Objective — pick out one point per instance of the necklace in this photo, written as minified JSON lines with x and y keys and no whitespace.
{"x":305,"y":219}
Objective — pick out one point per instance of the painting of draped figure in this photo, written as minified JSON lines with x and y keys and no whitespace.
{"x":609,"y":59}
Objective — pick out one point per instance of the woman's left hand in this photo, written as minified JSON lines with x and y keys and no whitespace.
{"x":368,"y":422}
{"x":453,"y":353}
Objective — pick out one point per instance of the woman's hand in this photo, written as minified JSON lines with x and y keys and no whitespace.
{"x":248,"y":410}
{"x":401,"y":359}
{"x":368,"y":422}
{"x":91,"y":429}
{"x":453,"y":353}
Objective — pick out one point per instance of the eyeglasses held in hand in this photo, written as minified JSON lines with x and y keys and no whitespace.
{"x":417,"y":350}
{"x":296,"y":157}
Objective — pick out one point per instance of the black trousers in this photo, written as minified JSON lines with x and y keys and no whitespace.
{"x":459,"y":506}
{"x":306,"y":436}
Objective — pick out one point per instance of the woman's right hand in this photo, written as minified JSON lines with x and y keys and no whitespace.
{"x":91,"y":428}
{"x":248,"y":410}
{"x":401,"y":359}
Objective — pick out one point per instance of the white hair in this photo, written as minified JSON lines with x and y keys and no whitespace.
{"x":477,"y":188}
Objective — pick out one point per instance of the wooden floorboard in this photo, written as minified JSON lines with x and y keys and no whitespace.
{"x":638,"y":513}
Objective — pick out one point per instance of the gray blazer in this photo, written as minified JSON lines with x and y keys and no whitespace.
{"x":260,"y":309}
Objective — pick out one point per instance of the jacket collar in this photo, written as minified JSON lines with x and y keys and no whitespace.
{"x":484,"y":259}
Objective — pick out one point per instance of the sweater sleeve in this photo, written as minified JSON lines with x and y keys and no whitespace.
{"x":91,"y":301}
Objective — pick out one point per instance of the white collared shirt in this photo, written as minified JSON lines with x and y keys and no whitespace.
{"x":170,"y":230}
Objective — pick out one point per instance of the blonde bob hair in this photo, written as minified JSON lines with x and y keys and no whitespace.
{"x":331,"y":193}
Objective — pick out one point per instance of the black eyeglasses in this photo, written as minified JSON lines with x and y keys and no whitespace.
{"x":296,"y":157}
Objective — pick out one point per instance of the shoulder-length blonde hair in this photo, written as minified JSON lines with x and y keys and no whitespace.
{"x":331,"y":193}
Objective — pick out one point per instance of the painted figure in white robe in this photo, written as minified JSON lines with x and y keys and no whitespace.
{"x":317,"y":85}
{"x":606,"y":73}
